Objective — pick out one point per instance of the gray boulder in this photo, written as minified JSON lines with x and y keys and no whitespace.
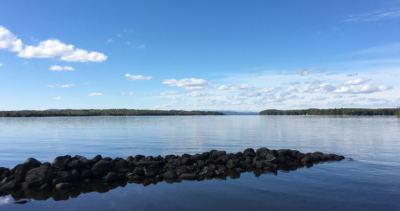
{"x":39,"y":176}
{"x":215,"y":154}
{"x":233,"y":163}
{"x":150,"y":171}
{"x":170,"y":175}
{"x":60,"y":163}
{"x":101,"y":168}
{"x":20,"y":173}
{"x":75,"y":163}
{"x":31,"y":163}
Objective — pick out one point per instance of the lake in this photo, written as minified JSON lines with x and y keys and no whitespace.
{"x":369,"y":182}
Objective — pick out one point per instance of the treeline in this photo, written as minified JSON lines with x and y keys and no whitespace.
{"x":335,"y":111}
{"x":102,"y":112}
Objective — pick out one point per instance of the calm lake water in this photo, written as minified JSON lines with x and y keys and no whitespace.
{"x":370,"y":182}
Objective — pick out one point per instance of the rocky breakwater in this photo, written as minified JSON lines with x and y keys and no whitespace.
{"x":67,"y":172}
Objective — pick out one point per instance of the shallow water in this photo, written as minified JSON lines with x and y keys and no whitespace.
{"x":370,"y":182}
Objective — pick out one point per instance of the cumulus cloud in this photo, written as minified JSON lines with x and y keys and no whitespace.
{"x":311,"y":88}
{"x":172,"y":92}
{"x":308,"y":70}
{"x":9,"y":41}
{"x":130,"y":77}
{"x":320,"y":98}
{"x":257,"y":92}
{"x":234,"y":87}
{"x":95,"y":94}
{"x":48,"y":49}
{"x":61,"y":86}
{"x":189,"y":84}
{"x":198,"y":94}
{"x":361,"y":89}
{"x":57,"y":98}
{"x":59,"y":68}
{"x":356,"y":81}
{"x":130,"y":93}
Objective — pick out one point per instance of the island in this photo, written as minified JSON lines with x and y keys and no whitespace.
{"x":335,"y":111}
{"x":102,"y":112}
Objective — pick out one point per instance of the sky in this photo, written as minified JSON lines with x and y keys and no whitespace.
{"x":199,"y":55}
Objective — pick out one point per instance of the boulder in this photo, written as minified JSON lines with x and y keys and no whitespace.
{"x":39,"y":176}
{"x":11,"y":185}
{"x":86,"y":174}
{"x":187,"y":161}
{"x":215,"y":154}
{"x":75,"y":174}
{"x":150,"y":171}
{"x":101,"y":168}
{"x":249,"y":152}
{"x":31,"y":163}
{"x":306,"y":159}
{"x":60,"y":163}
{"x":122,"y":164}
{"x":62,"y":176}
{"x":260,"y":164}
{"x":75,"y":163}
{"x":233,"y":163}
{"x":138,"y":171}
{"x":20,"y":173}
{"x":222,"y":160}
{"x":114,"y":177}
{"x":63,"y":186}
{"x":170,"y":175}
{"x":5,"y":181}
{"x":97,"y":158}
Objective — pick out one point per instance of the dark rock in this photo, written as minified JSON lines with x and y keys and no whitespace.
{"x":191,"y":168}
{"x":20,"y":173}
{"x":206,"y":155}
{"x":215,"y":154}
{"x":75,"y":163}
{"x":233,"y":163}
{"x":122,"y":164}
{"x":62,"y":176}
{"x":124,"y":171}
{"x":75,"y":174}
{"x":114,"y":176}
{"x":239,"y":154}
{"x":173,"y":163}
{"x":138,"y":171}
{"x":315,"y":158}
{"x":46,"y":164}
{"x":339,"y":158}
{"x":262,"y":150}
{"x":86,"y":174}
{"x":60,"y":163}
{"x":102,"y":168}
{"x":248,"y":159}
{"x":188,"y":176}
{"x":222,"y":160}
{"x":115,"y":161}
{"x":12,"y":185}
{"x":131,"y":165}
{"x":260,"y":164}
{"x":39,"y":176}
{"x":187,"y":161}
{"x":5,"y":181}
{"x":45,"y":187}
{"x":31,"y":163}
{"x":232,"y":155}
{"x":108,"y":159}
{"x":300,"y":156}
{"x":306,"y":159}
{"x":130,"y":159}
{"x":97,"y":158}
{"x":63,"y":186}
{"x":170,"y":175}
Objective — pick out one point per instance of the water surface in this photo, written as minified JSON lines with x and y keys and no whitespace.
{"x":370,"y":182}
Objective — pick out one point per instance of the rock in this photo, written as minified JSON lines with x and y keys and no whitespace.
{"x":46,"y":164}
{"x":249,"y":152}
{"x":300,"y":156}
{"x":130,"y":159}
{"x":31,"y":163}
{"x":315,"y":158}
{"x":75,"y":174}
{"x":39,"y":176}
{"x":5,"y":181}
{"x":138,"y":171}
{"x":114,"y":176}
{"x":75,"y":163}
{"x":190,"y":168}
{"x":200,"y":163}
{"x":222,"y":160}
{"x":260,"y":164}
{"x":306,"y":159}
{"x":215,"y":154}
{"x":45,"y":187}
{"x":60,"y":163}
{"x":11,"y":185}
{"x":122,"y":164}
{"x":233,"y":163}
{"x":261,"y":150}
{"x":62,"y":176}
{"x":63,"y":186}
{"x":339,"y":158}
{"x":101,"y":168}
{"x":124,"y":171}
{"x":20,"y":173}
{"x":97,"y":158}
{"x":150,"y":171}
{"x":170,"y":175}
{"x":86,"y":174}
{"x":188,"y":176}
{"x":187,"y":161}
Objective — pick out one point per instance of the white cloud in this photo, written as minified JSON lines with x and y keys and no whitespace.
{"x":142,"y":46}
{"x":320,"y":98}
{"x":109,"y":40}
{"x":1,"y":64}
{"x":362,"y":89}
{"x":171,"y":98}
{"x":95,"y":94}
{"x":9,"y":41}
{"x":375,"y":16}
{"x":189,"y":84}
{"x":130,"y":93}
{"x":311,"y":88}
{"x":59,"y":68}
{"x":172,"y":92}
{"x":234,"y":87}
{"x":356,"y":81}
{"x":338,"y":96}
{"x":352,"y":74}
{"x":308,"y":70}
{"x":283,"y":73}
{"x":55,"y":48}
{"x":257,"y":92}
{"x":57,"y":98}
{"x":61,"y":86}
{"x":198,"y":94}
{"x":130,"y":77}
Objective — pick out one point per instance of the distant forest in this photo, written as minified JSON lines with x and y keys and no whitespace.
{"x":335,"y":111}
{"x":102,"y":112}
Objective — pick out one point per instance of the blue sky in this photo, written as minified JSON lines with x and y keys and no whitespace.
{"x":199,"y":55}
